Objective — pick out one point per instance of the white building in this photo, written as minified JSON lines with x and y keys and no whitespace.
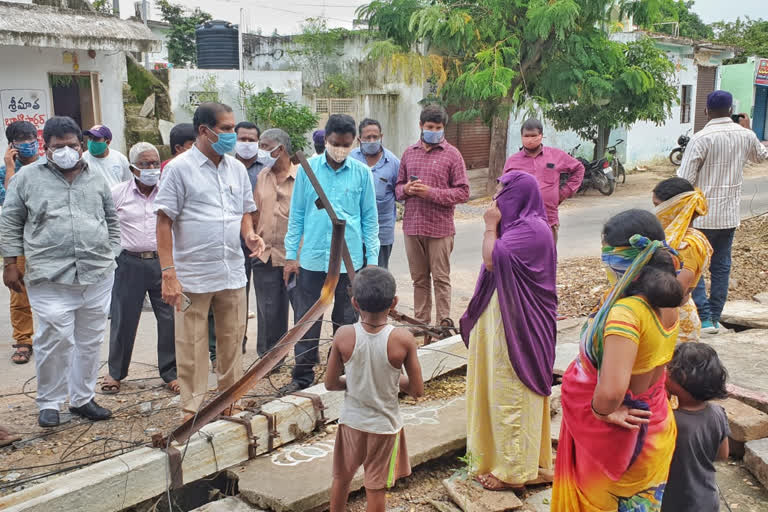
{"x":66,"y":61}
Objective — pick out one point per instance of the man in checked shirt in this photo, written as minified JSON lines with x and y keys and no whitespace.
{"x":432,"y":181}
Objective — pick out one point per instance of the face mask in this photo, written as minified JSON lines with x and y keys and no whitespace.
{"x":27,"y":149}
{"x":266,"y":158}
{"x":65,"y":158}
{"x":149,"y":177}
{"x":337,"y":153}
{"x":247,"y":150}
{"x":225,"y":143}
{"x":370,"y":148}
{"x":431,"y":137}
{"x":97,"y":148}
{"x":532,"y":143}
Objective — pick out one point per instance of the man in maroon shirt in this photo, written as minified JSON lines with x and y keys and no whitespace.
{"x":432,"y":181}
{"x":546,"y":164}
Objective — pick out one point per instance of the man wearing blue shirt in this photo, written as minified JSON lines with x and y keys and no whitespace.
{"x":349,"y":187}
{"x":384,"y":167}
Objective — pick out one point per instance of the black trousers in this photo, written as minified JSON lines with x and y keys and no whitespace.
{"x":309,"y":285}
{"x":272,"y":300}
{"x":134,"y":278}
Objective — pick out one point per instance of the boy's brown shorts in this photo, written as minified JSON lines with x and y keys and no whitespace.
{"x":384,"y":457}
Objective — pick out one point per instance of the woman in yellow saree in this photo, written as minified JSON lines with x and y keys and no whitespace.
{"x":618,"y":431}
{"x":677,"y":203}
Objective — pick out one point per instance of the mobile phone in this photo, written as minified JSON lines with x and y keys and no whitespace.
{"x":291,"y":283}
{"x":414,"y":178}
{"x":736,"y":117}
{"x":186,"y":302}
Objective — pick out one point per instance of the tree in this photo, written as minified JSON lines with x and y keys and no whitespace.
{"x":748,"y":34}
{"x":270,"y":109}
{"x":502,"y":54}
{"x":317,"y":49}
{"x":656,"y":14}
{"x":181,"y":36}
{"x":640,"y":91}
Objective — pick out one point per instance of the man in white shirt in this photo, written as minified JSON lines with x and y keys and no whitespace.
{"x":110,"y":163}
{"x":204,"y":205}
{"x":714,"y":162}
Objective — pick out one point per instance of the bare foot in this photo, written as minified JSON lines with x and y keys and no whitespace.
{"x":491,"y":483}
{"x":7,"y":436}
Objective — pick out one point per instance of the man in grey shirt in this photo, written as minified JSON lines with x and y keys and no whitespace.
{"x":59,"y":214}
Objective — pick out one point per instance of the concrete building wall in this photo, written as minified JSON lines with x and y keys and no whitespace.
{"x":183,"y":81}
{"x":27,"y":68}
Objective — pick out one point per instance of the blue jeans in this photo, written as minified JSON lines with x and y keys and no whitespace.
{"x":720,"y":269}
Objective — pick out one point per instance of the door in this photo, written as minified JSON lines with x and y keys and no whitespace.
{"x":471,"y":138}
{"x":704,"y":85}
{"x":760,"y":116}
{"x":76,"y":95}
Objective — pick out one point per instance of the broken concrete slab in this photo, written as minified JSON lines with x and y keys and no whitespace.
{"x":229,"y":504}
{"x":131,"y":478}
{"x":762,"y":298}
{"x":444,"y":506}
{"x":756,"y":459}
{"x":539,"y":501}
{"x":756,"y":399}
{"x":743,"y":354}
{"x":746,"y":423}
{"x":745,"y":313}
{"x":470,"y":496}
{"x":432,"y":429}
{"x":565,"y":353}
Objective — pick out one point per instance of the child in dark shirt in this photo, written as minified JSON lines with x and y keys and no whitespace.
{"x":695,"y":376}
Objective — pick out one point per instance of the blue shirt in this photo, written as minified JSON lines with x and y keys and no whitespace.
{"x":19,"y":165}
{"x":384,"y":181}
{"x":350,"y":191}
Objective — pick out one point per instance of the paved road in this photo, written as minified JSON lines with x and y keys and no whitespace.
{"x":580,"y":229}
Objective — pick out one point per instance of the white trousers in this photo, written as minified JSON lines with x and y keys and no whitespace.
{"x":70,"y":321}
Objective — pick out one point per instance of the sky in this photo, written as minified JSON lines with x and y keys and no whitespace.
{"x":287,"y":15}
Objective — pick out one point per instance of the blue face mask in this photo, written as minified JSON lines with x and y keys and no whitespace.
{"x":27,"y":149}
{"x":431,"y":137}
{"x":370,"y":148}
{"x":225,"y":144}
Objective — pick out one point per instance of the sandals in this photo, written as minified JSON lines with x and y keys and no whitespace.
{"x":174,"y":386}
{"x":22,"y":356}
{"x":7,"y":437}
{"x":111,"y":388}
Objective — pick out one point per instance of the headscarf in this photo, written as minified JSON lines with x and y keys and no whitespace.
{"x":626,"y":262}
{"x":524,"y":275}
{"x":676,"y":216}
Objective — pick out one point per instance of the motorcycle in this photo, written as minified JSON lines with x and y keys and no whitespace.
{"x":598,"y":174}
{"x":621,"y":173}
{"x":676,"y":156}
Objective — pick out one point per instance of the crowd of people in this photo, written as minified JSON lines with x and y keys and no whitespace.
{"x":87,"y":235}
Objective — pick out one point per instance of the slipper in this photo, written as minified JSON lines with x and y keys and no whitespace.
{"x":21,"y":356}
{"x":174,"y":386}
{"x":112,"y":388}
{"x":492,"y":483}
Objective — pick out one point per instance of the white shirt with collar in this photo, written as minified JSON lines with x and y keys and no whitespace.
{"x":714,"y":162}
{"x":206,"y":205}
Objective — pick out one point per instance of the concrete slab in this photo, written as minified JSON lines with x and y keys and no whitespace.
{"x":756,"y":459}
{"x":762,"y":298}
{"x":565,"y":353}
{"x":745,"y":313}
{"x":539,"y":501}
{"x":432,"y":430}
{"x":746,"y":423}
{"x":743,"y":354}
{"x":229,"y":504}
{"x":470,"y":496}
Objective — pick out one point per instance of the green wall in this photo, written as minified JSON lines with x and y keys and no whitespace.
{"x":738,"y":79}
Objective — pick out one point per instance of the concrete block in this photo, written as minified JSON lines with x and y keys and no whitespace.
{"x":230,"y":504}
{"x":565,"y":353}
{"x":746,"y":423}
{"x":756,"y":459}
{"x":762,"y":298}
{"x":470,"y":496}
{"x":538,"y":502}
{"x":746,"y":314}
{"x":743,"y":354}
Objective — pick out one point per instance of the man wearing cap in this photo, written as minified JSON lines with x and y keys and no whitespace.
{"x":110,"y":163}
{"x":714,"y":162}
{"x":318,"y":140}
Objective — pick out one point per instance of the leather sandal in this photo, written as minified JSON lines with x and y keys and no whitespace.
{"x":21,"y":356}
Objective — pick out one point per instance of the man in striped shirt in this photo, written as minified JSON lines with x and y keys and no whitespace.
{"x":714,"y":162}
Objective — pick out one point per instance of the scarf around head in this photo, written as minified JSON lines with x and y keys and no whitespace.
{"x":676,"y":216}
{"x":523,"y":278}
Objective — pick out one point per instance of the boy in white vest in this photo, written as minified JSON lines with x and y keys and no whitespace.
{"x":372,"y":355}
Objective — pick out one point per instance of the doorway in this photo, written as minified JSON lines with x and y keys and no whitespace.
{"x":76,"y":95}
{"x":705,"y":84}
{"x":760,"y":116}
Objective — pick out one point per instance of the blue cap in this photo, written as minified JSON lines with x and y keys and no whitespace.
{"x":719,"y":100}
{"x":318,"y":137}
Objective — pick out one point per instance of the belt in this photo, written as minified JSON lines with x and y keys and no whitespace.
{"x":147,"y":255}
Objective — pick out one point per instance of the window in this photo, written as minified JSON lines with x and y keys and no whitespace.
{"x":685,"y":104}
{"x":195,"y":98}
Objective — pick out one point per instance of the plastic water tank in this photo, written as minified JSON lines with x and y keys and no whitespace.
{"x":217,"y":45}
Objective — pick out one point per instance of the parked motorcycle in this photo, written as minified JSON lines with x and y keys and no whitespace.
{"x":618,"y":167}
{"x":598,"y":174}
{"x":676,"y":156}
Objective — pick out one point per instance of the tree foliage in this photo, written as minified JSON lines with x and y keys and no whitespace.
{"x":181,"y":36}
{"x":748,"y":34}
{"x":316,"y":50}
{"x":654,"y":14}
{"x":270,"y":109}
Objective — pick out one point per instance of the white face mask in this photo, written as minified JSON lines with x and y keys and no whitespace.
{"x":149,"y":177}
{"x":266,"y":158}
{"x":246,"y":150}
{"x":337,"y":153}
{"x":65,"y":158}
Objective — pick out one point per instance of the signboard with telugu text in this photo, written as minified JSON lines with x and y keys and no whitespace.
{"x":761,"y":78}
{"x":26,"y":105}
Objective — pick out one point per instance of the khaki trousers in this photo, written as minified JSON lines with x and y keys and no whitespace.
{"x":21,"y":313}
{"x":429,"y":260}
{"x":192,"y":344}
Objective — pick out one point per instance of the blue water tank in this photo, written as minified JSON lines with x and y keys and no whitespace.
{"x":217,"y":45}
